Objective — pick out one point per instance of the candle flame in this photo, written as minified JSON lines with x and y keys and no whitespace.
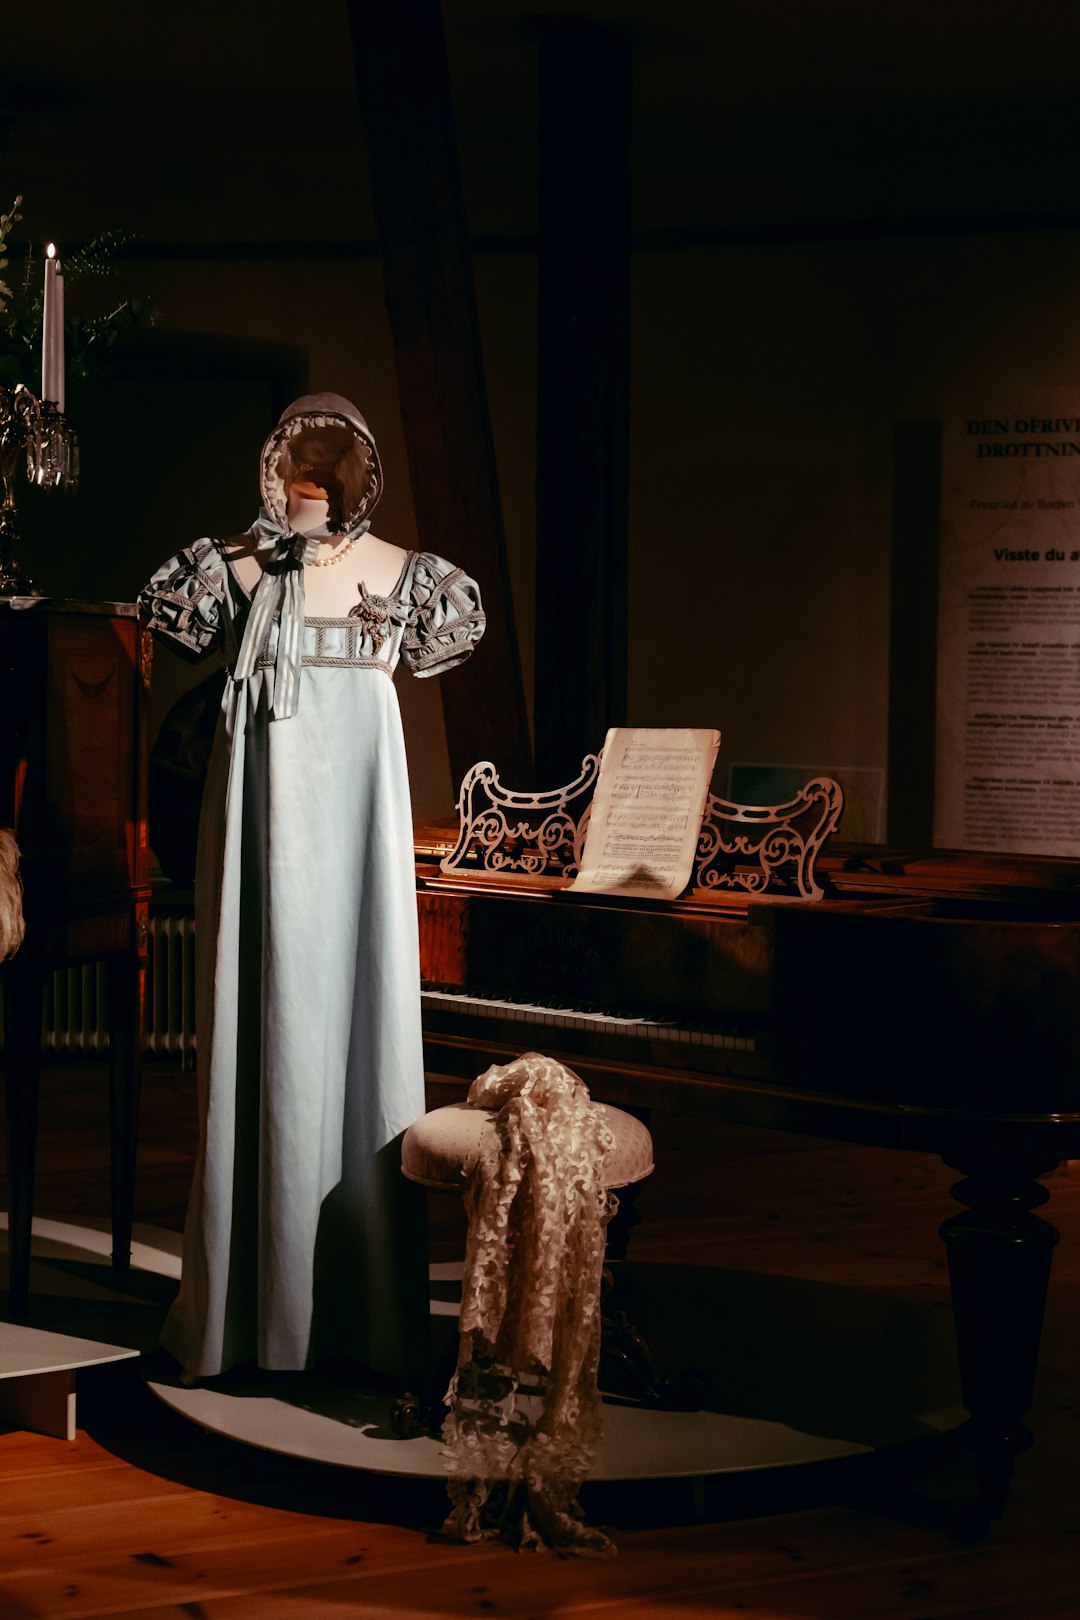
{"x":51,"y":250}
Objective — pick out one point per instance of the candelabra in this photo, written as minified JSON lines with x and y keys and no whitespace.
{"x":37,"y":433}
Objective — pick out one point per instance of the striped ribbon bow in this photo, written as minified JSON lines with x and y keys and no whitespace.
{"x":280,"y":592}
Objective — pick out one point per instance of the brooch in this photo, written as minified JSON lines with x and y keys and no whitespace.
{"x":373,"y":615}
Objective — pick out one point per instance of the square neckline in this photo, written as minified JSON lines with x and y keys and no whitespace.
{"x":391,"y":597}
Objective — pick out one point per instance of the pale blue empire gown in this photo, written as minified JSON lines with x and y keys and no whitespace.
{"x":302,"y":1237}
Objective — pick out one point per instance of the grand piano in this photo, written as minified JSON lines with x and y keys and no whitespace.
{"x":928,"y":1002}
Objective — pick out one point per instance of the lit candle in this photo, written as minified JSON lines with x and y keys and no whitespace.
{"x":49,"y":356}
{"x":58,"y":301}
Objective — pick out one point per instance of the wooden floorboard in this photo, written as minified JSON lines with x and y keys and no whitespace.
{"x":144,"y":1516}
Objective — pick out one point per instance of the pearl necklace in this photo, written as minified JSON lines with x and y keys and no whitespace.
{"x":335,"y":557}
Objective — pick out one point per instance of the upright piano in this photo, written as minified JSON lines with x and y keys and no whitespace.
{"x":929,"y":1001}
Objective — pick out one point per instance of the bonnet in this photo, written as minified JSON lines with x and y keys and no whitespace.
{"x":326,"y":435}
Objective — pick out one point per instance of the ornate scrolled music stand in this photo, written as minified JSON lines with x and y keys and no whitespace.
{"x":748,"y":848}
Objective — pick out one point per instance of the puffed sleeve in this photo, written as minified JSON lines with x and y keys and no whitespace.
{"x":446,"y":619}
{"x":184,"y":598}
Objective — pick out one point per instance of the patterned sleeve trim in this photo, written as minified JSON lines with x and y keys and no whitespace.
{"x":446,"y":621}
{"x":183,"y":599}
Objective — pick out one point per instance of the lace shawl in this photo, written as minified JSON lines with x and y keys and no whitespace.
{"x":530,"y":1315}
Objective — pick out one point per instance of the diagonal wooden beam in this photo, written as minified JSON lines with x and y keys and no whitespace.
{"x":583,"y":384}
{"x":404,"y":89}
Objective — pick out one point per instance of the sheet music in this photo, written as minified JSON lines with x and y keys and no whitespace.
{"x":646,"y":811}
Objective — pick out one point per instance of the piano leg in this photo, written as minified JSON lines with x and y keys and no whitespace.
{"x":125,"y":980}
{"x":24,"y":980}
{"x":999,"y":1268}
{"x":622,"y":1223}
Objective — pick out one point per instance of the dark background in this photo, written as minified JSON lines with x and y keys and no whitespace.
{"x":845,"y":215}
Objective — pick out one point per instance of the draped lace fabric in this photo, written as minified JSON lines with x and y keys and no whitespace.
{"x":530,"y":1315}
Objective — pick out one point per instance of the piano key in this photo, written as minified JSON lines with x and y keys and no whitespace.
{"x":635,"y":1025}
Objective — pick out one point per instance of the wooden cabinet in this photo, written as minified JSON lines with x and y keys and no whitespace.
{"x":74,"y":679}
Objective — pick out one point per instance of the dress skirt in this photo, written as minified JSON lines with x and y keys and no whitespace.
{"x":302,"y":1236}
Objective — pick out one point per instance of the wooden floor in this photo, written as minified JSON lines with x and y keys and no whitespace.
{"x":143,"y":1516}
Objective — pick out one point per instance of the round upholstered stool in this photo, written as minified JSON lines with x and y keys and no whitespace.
{"x":441,"y":1151}
{"x":442,"y":1148}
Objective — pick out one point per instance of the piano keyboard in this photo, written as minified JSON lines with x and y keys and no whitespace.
{"x":456,"y":1001}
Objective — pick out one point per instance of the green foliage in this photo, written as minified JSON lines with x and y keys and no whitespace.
{"x":90,"y":338}
{"x":6,"y":222}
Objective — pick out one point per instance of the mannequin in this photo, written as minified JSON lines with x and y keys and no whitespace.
{"x":300,"y":1239}
{"x":313,"y":497}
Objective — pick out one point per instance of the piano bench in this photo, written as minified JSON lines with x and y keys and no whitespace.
{"x":442,"y":1148}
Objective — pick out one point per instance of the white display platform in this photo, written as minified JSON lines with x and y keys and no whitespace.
{"x":37,"y":1376}
{"x":38,"y":1363}
{"x":323,"y":1423}
{"x":896,"y":1383}
{"x":802,"y":1372}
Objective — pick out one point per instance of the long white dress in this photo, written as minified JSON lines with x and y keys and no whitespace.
{"x":302,"y":1237}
